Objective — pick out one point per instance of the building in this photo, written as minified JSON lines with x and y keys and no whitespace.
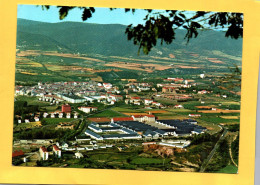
{"x":88,"y":109}
{"x":78,"y":155}
{"x":148,"y":101}
{"x":65,"y":126}
{"x":144,"y":118}
{"x":194,"y":115}
{"x":168,"y":90}
{"x":44,"y":153}
{"x":113,"y":120}
{"x":178,"y":106}
{"x":71,"y":98}
{"x":56,"y":151}
{"x":66,"y":108}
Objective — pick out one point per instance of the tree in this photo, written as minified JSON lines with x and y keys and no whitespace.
{"x":161,"y":25}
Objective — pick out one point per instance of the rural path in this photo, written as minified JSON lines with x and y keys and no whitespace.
{"x":205,"y":162}
{"x":230,"y":151}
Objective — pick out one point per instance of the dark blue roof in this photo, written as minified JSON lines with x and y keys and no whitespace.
{"x":93,"y":134}
{"x":136,"y":126}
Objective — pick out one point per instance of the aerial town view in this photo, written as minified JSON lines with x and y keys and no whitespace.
{"x":104,"y":93}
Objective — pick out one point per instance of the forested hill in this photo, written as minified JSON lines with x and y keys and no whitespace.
{"x":110,"y":39}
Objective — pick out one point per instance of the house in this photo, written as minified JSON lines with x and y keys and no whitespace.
{"x":178,"y":106}
{"x":78,"y":155}
{"x":88,"y":109}
{"x":203,"y":92}
{"x":112,"y":102}
{"x":56,"y":150}
{"x":135,"y":100}
{"x":45,"y":114}
{"x":60,"y":115}
{"x":156,"y":103}
{"x":68,"y":115}
{"x":107,"y":85}
{"x":52,"y":115}
{"x":116,"y":97}
{"x":148,"y":101}
{"x":27,"y":121}
{"x":36,"y":119}
{"x":168,"y":90}
{"x":194,"y":115}
{"x":66,"y":108}
{"x":44,"y":153}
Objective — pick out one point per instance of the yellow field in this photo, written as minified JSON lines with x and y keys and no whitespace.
{"x":28,"y":73}
{"x":230,"y":117}
{"x":157,"y":111}
{"x":135,"y":113}
{"x":219,"y":111}
{"x":28,"y":125}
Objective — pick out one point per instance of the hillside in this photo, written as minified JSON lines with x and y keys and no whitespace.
{"x":110,"y":40}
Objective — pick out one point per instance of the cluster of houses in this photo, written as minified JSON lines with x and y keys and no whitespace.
{"x":72,"y":92}
{"x":138,"y":87}
{"x":56,"y":149}
{"x":35,"y":117}
{"x":136,"y":100}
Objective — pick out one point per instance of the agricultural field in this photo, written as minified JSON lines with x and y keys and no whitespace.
{"x":109,"y":114}
{"x":54,"y":121}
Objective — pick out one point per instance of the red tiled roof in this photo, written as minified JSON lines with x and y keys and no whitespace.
{"x":135,"y":98}
{"x":43,"y":149}
{"x":138,"y":116}
{"x":56,"y":148}
{"x":123,"y":119}
{"x":17,"y":153}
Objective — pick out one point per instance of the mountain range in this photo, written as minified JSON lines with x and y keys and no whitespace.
{"x":111,"y":40}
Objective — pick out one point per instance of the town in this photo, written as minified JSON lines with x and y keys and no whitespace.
{"x":130,"y":99}
{"x":84,"y":119}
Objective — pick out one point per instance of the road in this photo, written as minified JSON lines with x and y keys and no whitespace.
{"x":205,"y":162}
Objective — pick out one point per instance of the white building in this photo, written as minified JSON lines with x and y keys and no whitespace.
{"x":44,"y":153}
{"x":78,"y":155}
{"x":57,"y":151}
{"x":88,"y":109}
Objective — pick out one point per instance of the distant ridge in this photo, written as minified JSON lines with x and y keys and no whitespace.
{"x":110,"y":39}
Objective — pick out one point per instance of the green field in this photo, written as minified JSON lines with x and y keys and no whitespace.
{"x":228,"y":169}
{"x":31,"y":100}
{"x":143,"y":160}
{"x":108,"y":113}
{"x":57,"y":120}
{"x":122,"y":109}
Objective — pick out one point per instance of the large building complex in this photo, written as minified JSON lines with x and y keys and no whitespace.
{"x":130,"y":129}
